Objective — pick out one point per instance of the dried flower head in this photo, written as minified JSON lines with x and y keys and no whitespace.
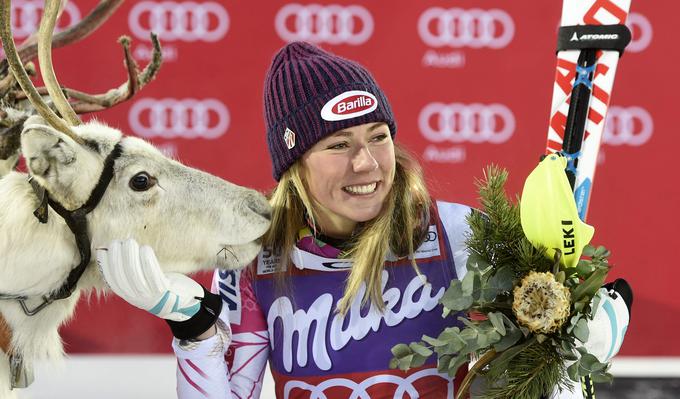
{"x":541,"y":303}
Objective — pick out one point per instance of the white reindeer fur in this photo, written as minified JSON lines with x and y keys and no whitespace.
{"x":188,"y":217}
{"x":6,"y":165}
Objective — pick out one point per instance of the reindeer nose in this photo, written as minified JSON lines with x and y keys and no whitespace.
{"x":258,"y":204}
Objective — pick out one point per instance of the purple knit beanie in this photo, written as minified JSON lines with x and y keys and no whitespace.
{"x":310,"y":93}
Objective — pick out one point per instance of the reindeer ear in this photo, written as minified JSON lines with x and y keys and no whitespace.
{"x":44,"y":146}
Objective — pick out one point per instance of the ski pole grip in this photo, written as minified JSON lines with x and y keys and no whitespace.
{"x":597,"y":37}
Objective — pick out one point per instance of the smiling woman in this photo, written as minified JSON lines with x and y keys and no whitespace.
{"x":355,"y":261}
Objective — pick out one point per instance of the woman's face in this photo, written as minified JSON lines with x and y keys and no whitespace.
{"x":349,"y":174}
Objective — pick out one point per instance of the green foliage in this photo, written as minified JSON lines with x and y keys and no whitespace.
{"x":525,"y":365}
{"x":531,"y":371}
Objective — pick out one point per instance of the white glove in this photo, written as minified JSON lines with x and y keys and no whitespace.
{"x":610,"y":320}
{"x":135,"y":275}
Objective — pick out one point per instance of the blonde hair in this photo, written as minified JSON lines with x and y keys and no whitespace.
{"x":404,"y":220}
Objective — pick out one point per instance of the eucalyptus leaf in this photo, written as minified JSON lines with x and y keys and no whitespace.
{"x":503,"y":279}
{"x":600,"y":377}
{"x":451,"y":333}
{"x":573,"y":371}
{"x":455,"y":363}
{"x":565,"y":345}
{"x":590,"y":286}
{"x":468,"y":334}
{"x":578,"y":306}
{"x":454,"y":342}
{"x":401,"y":350}
{"x":486,"y":336}
{"x":433,"y":341}
{"x":443,"y":363}
{"x":483,"y":341}
{"x":571,"y":356}
{"x":567,"y":350}
{"x":494,"y":337}
{"x":601,"y":252}
{"x":476,"y":262}
{"x":454,"y":298}
{"x":588,"y":250}
{"x":581,"y":331}
{"x":445,"y":312}
{"x":488,"y":294}
{"x":420,"y":349}
{"x":405,"y":362}
{"x":584,"y":268}
{"x":511,"y":337}
{"x":453,"y":347}
{"x":468,"y":283}
{"x":589,"y":363}
{"x":468,"y":323}
{"x":417,"y":360}
{"x":496,"y":320}
{"x":596,"y":299}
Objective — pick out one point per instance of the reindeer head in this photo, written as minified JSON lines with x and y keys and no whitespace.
{"x":192,"y":219}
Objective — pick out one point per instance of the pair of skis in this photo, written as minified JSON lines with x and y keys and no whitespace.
{"x":591,"y":40}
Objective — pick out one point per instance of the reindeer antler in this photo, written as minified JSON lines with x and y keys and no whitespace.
{"x":91,"y":22}
{"x":47,"y":23}
{"x":68,"y":102}
{"x":21,"y":76}
{"x":136,"y":81}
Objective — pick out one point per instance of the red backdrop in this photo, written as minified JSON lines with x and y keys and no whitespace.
{"x":205,"y":108}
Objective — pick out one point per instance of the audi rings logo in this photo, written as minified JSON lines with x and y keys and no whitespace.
{"x":26,"y":17}
{"x":627,"y":125}
{"x":185,"y":118}
{"x":475,"y":123}
{"x":456,"y":27}
{"x":173,"y":20}
{"x":333,"y":24}
{"x":641,"y":30}
{"x":431,"y":236}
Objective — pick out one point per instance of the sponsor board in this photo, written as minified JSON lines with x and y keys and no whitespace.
{"x":179,"y":118}
{"x":332,"y":24}
{"x":457,"y":28}
{"x":176,"y":21}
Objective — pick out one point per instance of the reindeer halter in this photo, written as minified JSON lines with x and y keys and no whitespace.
{"x":77,"y":223}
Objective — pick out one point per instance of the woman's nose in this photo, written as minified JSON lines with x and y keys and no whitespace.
{"x":363,"y":161}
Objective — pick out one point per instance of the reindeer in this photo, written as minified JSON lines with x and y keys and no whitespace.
{"x":86,"y":185}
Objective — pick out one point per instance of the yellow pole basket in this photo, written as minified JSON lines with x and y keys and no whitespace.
{"x":548,"y":212}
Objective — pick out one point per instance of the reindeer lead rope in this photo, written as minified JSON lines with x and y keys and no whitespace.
{"x":77,"y":223}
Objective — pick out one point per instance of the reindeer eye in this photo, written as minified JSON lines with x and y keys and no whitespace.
{"x":142,"y":181}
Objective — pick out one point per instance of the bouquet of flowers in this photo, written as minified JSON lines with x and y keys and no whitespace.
{"x":523,"y":306}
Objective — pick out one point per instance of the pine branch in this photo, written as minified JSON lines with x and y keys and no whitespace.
{"x":532,"y":373}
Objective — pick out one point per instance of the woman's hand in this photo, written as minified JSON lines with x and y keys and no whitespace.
{"x":134,"y":274}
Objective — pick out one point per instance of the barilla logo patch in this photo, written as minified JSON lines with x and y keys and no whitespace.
{"x":349,"y":104}
{"x":289,"y":138}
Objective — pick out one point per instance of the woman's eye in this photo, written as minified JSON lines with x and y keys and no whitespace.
{"x":380,"y":137}
{"x":338,"y":146}
{"x":142,"y":181}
